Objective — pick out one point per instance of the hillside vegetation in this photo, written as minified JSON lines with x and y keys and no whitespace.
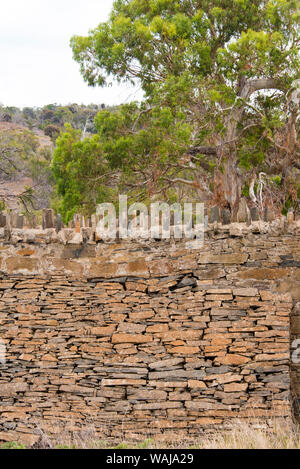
{"x":27,"y":142}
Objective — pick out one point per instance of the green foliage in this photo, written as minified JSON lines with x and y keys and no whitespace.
{"x":52,"y":131}
{"x":204,"y":68}
{"x":144,"y":444}
{"x":245,"y":190}
{"x":17,"y":147}
{"x":121,"y":446}
{"x":21,"y":157}
{"x":276,"y":180}
{"x":132,"y":136}
{"x":151,"y":40}
{"x":289,"y":204}
{"x":52,"y":117}
{"x":12,"y":445}
{"x":65,"y":447}
{"x":79,"y":167}
{"x":159,"y":137}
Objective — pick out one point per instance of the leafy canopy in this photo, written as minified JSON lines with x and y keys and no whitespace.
{"x":78,"y":167}
{"x":152,"y":40}
{"x":218,"y":77}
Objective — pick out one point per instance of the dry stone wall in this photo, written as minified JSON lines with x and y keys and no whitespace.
{"x":143,"y":337}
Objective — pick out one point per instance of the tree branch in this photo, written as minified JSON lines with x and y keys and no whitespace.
{"x":139,"y":116}
{"x":182,"y":181}
{"x":202,"y":150}
{"x":252,"y":86}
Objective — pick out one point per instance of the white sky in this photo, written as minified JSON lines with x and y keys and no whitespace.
{"x":36,"y":64}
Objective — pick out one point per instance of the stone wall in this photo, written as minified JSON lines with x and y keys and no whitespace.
{"x":144,"y":337}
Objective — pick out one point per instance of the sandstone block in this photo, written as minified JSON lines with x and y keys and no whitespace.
{"x":76,"y":389}
{"x":184,"y":350}
{"x":103,"y":331}
{"x":233,"y":359}
{"x":21,"y":264}
{"x":12,"y":389}
{"x":196,"y":384}
{"x":245,"y":291}
{"x":235,"y":387}
{"x":131,"y":338}
{"x":166,"y":363}
{"x":123,"y":382}
{"x":236,"y":258}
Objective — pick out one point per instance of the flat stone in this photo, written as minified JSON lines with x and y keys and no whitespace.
{"x":209,"y":274}
{"x":184,"y":374}
{"x":262,"y":273}
{"x":184,"y":350}
{"x":123,"y":382}
{"x":196,"y":384}
{"x":131,"y":338}
{"x":103,"y":331}
{"x":245,"y":291}
{"x":21,"y":264}
{"x":66,"y":266}
{"x":235,"y":387}
{"x":12,"y":389}
{"x":232,"y":359}
{"x":235,"y":258}
{"x":166,"y":363}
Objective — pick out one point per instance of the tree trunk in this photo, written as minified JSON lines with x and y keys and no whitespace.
{"x":232,"y":185}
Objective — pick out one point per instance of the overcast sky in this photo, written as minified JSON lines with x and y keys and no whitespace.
{"x":36,"y":65}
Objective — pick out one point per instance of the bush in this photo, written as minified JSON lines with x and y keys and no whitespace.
{"x":12,"y":445}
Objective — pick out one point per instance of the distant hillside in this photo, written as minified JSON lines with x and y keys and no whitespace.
{"x":25,"y":158}
{"x":44,"y":140}
{"x":50,"y":119}
{"x":27,"y":141}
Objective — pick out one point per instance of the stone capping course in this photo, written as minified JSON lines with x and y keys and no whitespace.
{"x":77,"y":236}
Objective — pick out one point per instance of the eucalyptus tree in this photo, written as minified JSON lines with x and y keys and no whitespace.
{"x":218,"y":79}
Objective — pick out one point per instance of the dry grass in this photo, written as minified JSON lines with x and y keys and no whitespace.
{"x":245,"y":436}
{"x":240,"y":435}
